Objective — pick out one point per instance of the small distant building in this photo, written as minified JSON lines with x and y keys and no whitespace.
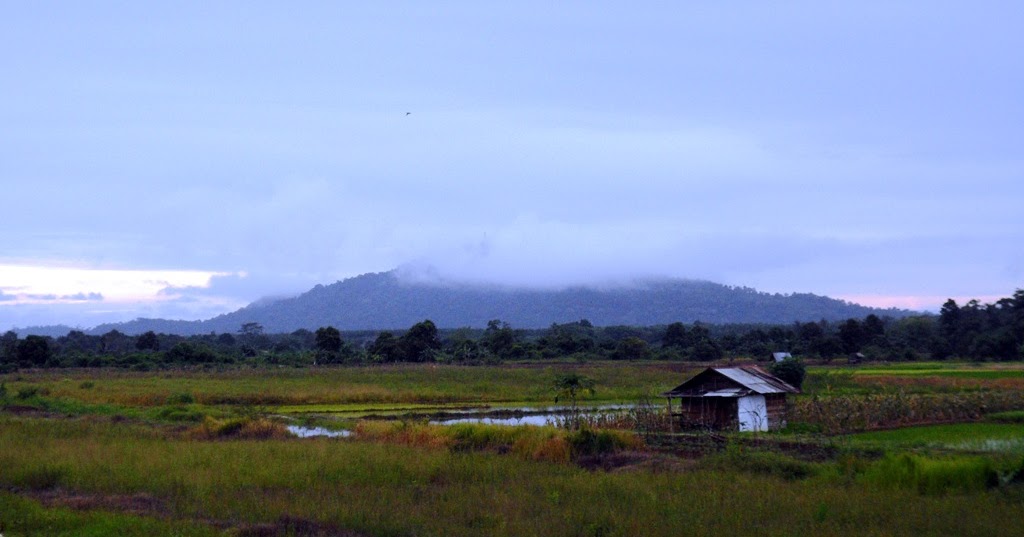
{"x":739,"y":398}
{"x":780,"y":356}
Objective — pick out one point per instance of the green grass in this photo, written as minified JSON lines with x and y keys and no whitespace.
{"x":928,"y":475}
{"x":387,"y":489}
{"x":996,"y":437}
{"x":411,"y":478}
{"x":422,"y":384}
{"x":25,"y":517}
{"x":1012,"y":416}
{"x":944,"y":369}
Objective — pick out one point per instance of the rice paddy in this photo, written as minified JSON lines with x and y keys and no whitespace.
{"x":209,"y":453}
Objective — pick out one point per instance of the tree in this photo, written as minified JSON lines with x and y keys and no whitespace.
{"x":706,"y":350}
{"x":460,"y":347}
{"x":328,"y":339}
{"x":791,"y":371}
{"x":185,"y":352}
{"x":632,"y":348}
{"x":252,"y":337}
{"x":419,"y":342}
{"x":328,"y":345}
{"x":570,"y":386}
{"x":251,"y":329}
{"x":148,"y":342}
{"x":950,"y":318}
{"x":114,"y":342}
{"x":9,"y":347}
{"x":569,"y":338}
{"x":874,"y":328}
{"x":851,"y":333}
{"x":499,"y":338}
{"x":675,"y":336}
{"x":34,"y":351}
{"x":385,"y":347}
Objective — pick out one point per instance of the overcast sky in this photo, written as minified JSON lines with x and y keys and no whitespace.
{"x":182,"y":159}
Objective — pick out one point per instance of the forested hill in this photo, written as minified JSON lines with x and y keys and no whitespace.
{"x":384,"y":301}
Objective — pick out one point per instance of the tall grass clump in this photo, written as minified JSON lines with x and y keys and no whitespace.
{"x":758,"y":461}
{"x":526,"y":442}
{"x":238,"y":428}
{"x":1011,"y":416}
{"x":587,"y":442}
{"x":407,"y":433}
{"x":40,"y":476}
{"x":932,"y":476}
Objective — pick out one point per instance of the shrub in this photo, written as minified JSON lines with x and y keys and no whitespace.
{"x":178,"y":413}
{"x":587,"y":441}
{"x":761,"y":462}
{"x":1012,"y":416}
{"x":29,"y":392}
{"x":42,"y":477}
{"x":180,"y":399}
{"x":791,"y":370}
{"x":239,"y":428}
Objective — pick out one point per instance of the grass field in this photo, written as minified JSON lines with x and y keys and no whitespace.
{"x":191,"y":453}
{"x":968,"y":437}
{"x":352,"y":386}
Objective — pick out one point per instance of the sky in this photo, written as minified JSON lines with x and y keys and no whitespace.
{"x":182,"y":159}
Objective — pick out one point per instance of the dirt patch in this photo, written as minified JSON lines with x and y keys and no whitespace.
{"x":629,"y":461}
{"x":292,"y":527}
{"x":26,"y":411}
{"x":136,"y":504}
{"x":143,"y":504}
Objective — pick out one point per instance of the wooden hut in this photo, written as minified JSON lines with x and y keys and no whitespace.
{"x":744,"y":398}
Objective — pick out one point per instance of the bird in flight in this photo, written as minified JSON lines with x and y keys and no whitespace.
{"x":407,"y":113}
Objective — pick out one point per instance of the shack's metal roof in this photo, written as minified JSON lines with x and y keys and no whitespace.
{"x":728,"y":392}
{"x":780,"y":356}
{"x":746,"y":380}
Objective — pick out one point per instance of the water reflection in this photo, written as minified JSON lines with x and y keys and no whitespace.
{"x":543,"y":419}
{"x":527,"y":416}
{"x":310,"y":432}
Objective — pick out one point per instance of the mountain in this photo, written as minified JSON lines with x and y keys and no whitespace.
{"x":387,"y":301}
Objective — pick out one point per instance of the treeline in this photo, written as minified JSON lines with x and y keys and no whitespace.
{"x":973,"y":331}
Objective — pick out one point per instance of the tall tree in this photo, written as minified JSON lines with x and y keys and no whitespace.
{"x":419,"y":342}
{"x":9,"y":348}
{"x":499,"y":338}
{"x":34,"y":351}
{"x":851,"y":333}
{"x":148,"y":342}
{"x":675,"y":336}
{"x":385,"y":347}
{"x":328,"y":339}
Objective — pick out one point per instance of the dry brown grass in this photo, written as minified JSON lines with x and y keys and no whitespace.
{"x":238,"y":428}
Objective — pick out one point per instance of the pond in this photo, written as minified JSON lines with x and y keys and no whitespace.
{"x":525,"y":415}
{"x":311,"y":432}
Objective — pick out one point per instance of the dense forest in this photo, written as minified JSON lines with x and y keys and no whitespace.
{"x":973,"y":331}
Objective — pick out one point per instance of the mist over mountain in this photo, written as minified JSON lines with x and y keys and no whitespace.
{"x":389,"y":301}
